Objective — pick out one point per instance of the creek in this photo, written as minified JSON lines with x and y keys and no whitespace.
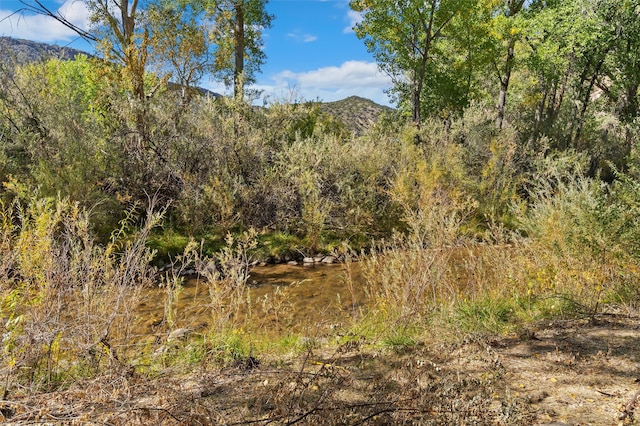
{"x":279,"y":298}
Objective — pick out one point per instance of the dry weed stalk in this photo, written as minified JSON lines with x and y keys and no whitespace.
{"x":227,"y":274}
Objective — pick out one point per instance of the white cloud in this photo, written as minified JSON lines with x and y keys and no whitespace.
{"x":354,"y":18}
{"x":216,"y":87}
{"x":42,"y":28}
{"x":302,"y":38}
{"x":351,"y":74}
{"x":309,"y":38}
{"x":333,"y":83}
{"x":75,"y":12}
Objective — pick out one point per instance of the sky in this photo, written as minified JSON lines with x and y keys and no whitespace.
{"x":312,"y":51}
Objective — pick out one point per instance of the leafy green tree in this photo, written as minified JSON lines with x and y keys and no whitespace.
{"x":238,"y":40}
{"x":405,"y":37}
{"x":583,"y":53}
{"x":547,"y":58}
{"x":621,"y":68}
{"x":223,"y":37}
{"x":117,"y":31}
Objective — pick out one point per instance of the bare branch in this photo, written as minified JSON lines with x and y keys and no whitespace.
{"x":37,"y":7}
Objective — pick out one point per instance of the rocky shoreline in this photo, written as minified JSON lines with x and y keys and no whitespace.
{"x":306,"y":261}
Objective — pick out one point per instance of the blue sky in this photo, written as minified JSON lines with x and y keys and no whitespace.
{"x":312,"y":52}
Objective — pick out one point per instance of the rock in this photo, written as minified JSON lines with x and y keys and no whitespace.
{"x":537,"y":397}
{"x":210,"y":270}
{"x":318,"y":259}
{"x":328,"y":259}
{"x":178,"y":334}
{"x":161,"y":350}
{"x":292,"y":263}
{"x":308,"y":260}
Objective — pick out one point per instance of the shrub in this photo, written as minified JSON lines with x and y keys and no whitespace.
{"x":583,"y":234}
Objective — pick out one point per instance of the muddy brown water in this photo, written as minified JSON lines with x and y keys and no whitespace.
{"x":295,"y":298}
{"x":280,"y":298}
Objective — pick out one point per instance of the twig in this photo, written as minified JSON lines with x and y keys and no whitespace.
{"x":604,"y":393}
{"x":371,"y":416}
{"x":250,"y":422}
{"x":305,"y":415}
{"x":40,"y":416}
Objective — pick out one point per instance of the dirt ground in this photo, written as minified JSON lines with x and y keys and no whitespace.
{"x":570,"y":372}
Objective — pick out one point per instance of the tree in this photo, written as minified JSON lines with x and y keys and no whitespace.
{"x":583,"y":51}
{"x":194,"y":37}
{"x":117,"y":31}
{"x":621,"y":68}
{"x":221,"y":37}
{"x":509,"y":33}
{"x":237,"y":37}
{"x":180,"y":43}
{"x":404,"y":35}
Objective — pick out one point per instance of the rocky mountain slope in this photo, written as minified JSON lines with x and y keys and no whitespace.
{"x":13,"y":50}
{"x":357,"y":113}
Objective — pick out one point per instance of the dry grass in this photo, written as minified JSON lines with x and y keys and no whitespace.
{"x":344,"y":387}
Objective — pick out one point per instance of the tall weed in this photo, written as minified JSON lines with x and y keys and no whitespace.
{"x":227,"y":274}
{"x":67,"y":304}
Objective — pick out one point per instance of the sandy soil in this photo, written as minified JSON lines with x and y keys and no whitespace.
{"x":573,"y":372}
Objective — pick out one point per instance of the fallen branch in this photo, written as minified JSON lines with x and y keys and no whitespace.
{"x":160,"y":409}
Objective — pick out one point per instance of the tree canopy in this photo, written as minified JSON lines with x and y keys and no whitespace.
{"x":566,"y":55}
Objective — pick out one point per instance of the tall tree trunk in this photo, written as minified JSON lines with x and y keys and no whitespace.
{"x":538,"y":115}
{"x":627,"y":105}
{"x":585,"y":102}
{"x":512,"y":7}
{"x":238,"y":69}
{"x":627,"y":111}
{"x":504,"y":82}
{"x":135,"y":61}
{"x":416,"y":115}
{"x":555,"y":103}
{"x":418,"y":85}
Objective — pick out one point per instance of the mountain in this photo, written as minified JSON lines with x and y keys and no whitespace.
{"x":14,"y":50}
{"x":356,"y":112}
